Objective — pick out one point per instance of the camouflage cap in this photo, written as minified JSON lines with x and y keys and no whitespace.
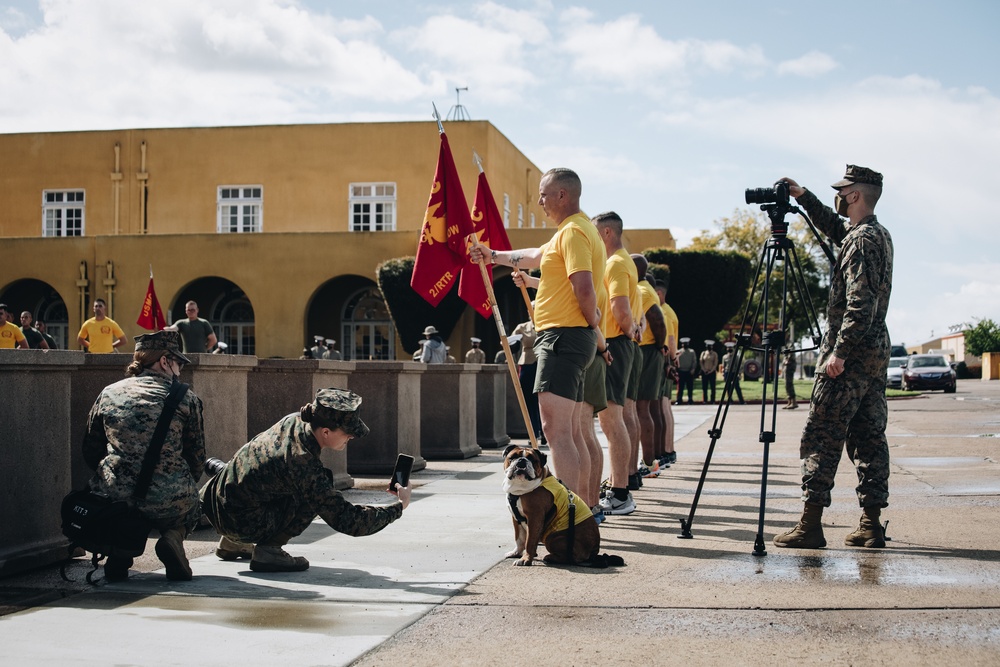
{"x":856,"y":174}
{"x":161,"y":340}
{"x":340,"y":408}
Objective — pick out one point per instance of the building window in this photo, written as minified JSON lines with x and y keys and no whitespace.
{"x":235,"y":325}
{"x":532,"y":220}
{"x":506,"y":210}
{"x":368,"y":332}
{"x":373,"y":207}
{"x":62,"y":212}
{"x":520,"y":215}
{"x":241,"y":208}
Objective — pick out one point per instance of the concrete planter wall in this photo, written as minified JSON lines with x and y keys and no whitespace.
{"x":35,"y":462}
{"x":391,"y":408}
{"x":448,"y":411}
{"x":491,"y":406}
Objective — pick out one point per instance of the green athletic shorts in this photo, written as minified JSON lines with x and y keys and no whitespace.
{"x":633,"y":381}
{"x":619,"y":373}
{"x":651,"y":380}
{"x":593,"y":384}
{"x":563,"y":355}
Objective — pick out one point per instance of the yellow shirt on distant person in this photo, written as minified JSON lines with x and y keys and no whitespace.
{"x":649,"y":299}
{"x":575,"y":247}
{"x":621,"y":279}
{"x":10,"y":336}
{"x":102,"y":335}
{"x":670,"y":319}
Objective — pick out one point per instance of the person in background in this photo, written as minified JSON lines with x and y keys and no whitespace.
{"x":475,"y":355}
{"x":49,"y":340}
{"x":11,"y":335}
{"x":196,"y":332}
{"x":36,"y":341}
{"x":100,"y":334}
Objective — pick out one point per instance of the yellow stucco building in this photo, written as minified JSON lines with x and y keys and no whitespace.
{"x":275,"y":230}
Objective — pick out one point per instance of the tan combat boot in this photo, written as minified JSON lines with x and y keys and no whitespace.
{"x":807,"y":533}
{"x":232,"y":550}
{"x":869,"y":532}
{"x":170,"y":550}
{"x":275,"y":559}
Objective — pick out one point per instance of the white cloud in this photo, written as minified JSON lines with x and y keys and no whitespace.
{"x":631,"y":54}
{"x":811,"y":64}
{"x":118,"y":63}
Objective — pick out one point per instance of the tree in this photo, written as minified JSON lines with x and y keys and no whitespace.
{"x":983,"y":337}
{"x":706,"y":287}
{"x":409,"y":311}
{"x":746,"y":232}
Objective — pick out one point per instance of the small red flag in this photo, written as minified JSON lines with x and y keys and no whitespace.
{"x":151,"y":316}
{"x":489,"y":228}
{"x":441,"y":253}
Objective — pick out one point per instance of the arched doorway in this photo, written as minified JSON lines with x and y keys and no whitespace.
{"x":44,"y":303}
{"x":367,"y":330}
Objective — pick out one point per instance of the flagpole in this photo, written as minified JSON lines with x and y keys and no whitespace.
{"x":437,"y":117}
{"x":524,"y":288}
{"x":511,"y":366}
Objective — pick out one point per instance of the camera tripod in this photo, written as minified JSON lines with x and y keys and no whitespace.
{"x":759,"y":334}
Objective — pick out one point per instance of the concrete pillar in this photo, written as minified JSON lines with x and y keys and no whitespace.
{"x":391,"y":408}
{"x":491,"y":406}
{"x":35,"y":459}
{"x":448,"y":411}
{"x":220,"y":381}
{"x":279,"y":387}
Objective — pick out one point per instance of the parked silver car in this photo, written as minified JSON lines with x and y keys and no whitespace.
{"x":894,"y":376}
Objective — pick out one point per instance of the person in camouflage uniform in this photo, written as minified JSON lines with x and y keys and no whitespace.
{"x":119,"y":430}
{"x":848,"y":402}
{"x":275,"y":486}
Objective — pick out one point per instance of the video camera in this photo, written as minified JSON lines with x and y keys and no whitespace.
{"x":776,"y":195}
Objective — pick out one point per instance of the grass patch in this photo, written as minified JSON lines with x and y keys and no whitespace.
{"x":753,"y":391}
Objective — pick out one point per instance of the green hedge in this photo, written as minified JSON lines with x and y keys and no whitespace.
{"x":409,"y":311}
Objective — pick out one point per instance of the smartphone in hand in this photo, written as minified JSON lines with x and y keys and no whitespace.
{"x":401,"y":473}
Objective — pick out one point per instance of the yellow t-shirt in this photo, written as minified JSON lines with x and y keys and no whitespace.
{"x":621,"y":279}
{"x":670,"y":319}
{"x":10,"y":336}
{"x":575,"y":247}
{"x":561,"y":498}
{"x":101,"y":335}
{"x":649,"y":299}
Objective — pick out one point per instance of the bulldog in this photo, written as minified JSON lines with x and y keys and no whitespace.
{"x":540,"y":506}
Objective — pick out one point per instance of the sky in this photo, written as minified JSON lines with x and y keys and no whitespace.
{"x":667,"y":110}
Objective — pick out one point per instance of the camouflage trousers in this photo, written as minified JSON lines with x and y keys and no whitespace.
{"x":849,"y":410}
{"x":272,"y":523}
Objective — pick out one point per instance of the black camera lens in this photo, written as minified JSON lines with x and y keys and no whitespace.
{"x":760,"y":196}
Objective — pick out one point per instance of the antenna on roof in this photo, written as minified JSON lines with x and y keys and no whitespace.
{"x":458,"y":112}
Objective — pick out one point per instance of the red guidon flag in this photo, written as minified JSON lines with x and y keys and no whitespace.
{"x":489,"y":228}
{"x":441,"y":254}
{"x":151,"y":316}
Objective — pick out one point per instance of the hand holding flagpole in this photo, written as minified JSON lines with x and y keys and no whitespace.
{"x":498,"y":320}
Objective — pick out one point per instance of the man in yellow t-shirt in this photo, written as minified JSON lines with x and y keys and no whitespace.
{"x":10,"y":334}
{"x":622,"y":282}
{"x":651,"y":377}
{"x":100,"y":334}
{"x":670,"y":320}
{"x":567,"y":317}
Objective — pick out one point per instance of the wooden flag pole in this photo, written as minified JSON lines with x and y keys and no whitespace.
{"x":511,"y":366}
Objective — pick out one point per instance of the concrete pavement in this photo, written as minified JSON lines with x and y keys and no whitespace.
{"x":433,"y":588}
